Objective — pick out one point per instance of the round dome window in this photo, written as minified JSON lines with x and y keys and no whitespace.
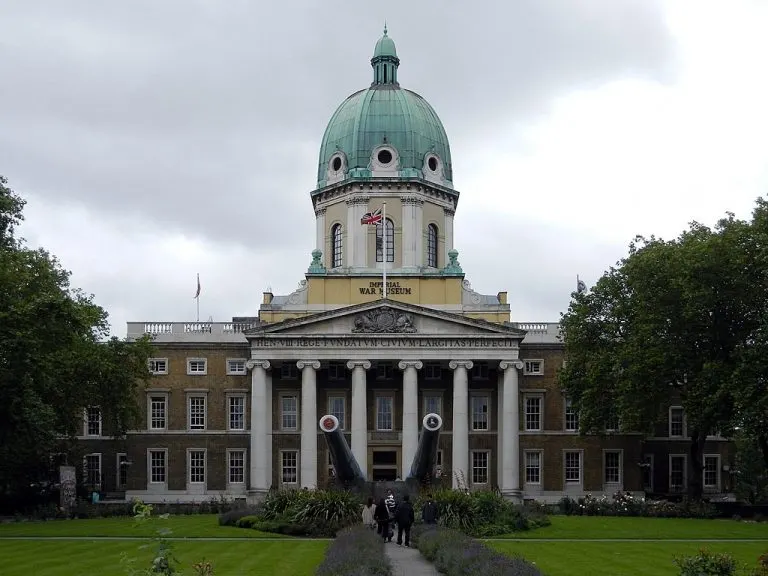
{"x":384,"y":156}
{"x":432,"y":163}
{"x":336,"y":164}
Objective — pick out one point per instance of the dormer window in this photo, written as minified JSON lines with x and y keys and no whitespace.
{"x":384,"y":159}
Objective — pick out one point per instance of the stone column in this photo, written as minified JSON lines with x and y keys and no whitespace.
{"x":360,"y":412}
{"x":410,"y":413}
{"x":320,"y":232}
{"x":499,"y":427}
{"x":449,"y":213}
{"x":260,"y":477}
{"x":309,"y":419}
{"x":412,"y":232}
{"x":460,"y":465}
{"x":510,"y":443}
{"x":355,"y":248}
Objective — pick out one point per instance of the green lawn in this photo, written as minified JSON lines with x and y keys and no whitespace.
{"x":76,"y":558}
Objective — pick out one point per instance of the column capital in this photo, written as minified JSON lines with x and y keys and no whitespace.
{"x":453,"y":364}
{"x":301,"y":364}
{"x":365,"y":364}
{"x":251,"y":364}
{"x":403,"y":364}
{"x":504,"y":364}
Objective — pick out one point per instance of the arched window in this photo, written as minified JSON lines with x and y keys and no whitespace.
{"x":337,"y":254}
{"x":390,"y":242}
{"x":432,"y":246}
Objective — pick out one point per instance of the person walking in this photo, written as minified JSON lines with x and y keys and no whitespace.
{"x":391,"y":507}
{"x":404,"y":517}
{"x":381,"y":515}
{"x":368,"y":511}
{"x":429,"y":512}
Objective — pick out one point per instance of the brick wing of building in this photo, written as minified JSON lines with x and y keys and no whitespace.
{"x":233,"y":407}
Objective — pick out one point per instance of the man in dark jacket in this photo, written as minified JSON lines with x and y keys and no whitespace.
{"x":429,"y":513}
{"x":404,"y":518}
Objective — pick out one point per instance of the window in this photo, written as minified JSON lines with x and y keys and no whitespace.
{"x":390,"y":242}
{"x":433,"y":404}
{"x":612,"y":466}
{"x":93,"y":421}
{"x":336,"y":407}
{"x":196,"y":413}
{"x":533,"y":367}
{"x":336,"y":371}
{"x":384,"y":413}
{"x":157,"y":464}
{"x":572,"y":467}
{"x":480,"y":413}
{"x":385,"y":371}
{"x":197,"y":466}
{"x":236,"y":412}
{"x":648,"y":472}
{"x":711,"y":471}
{"x":289,"y":371}
{"x":480,"y":459}
{"x":677,"y":465}
{"x":197,"y":366}
{"x":236,"y":466}
{"x":432,"y":246}
{"x":532,"y":467}
{"x":157,"y":412}
{"x":571,"y":417}
{"x":92,"y":471}
{"x":480,"y":371}
{"x":676,"y":422}
{"x":433,"y":372}
{"x":158,"y":365}
{"x":236,"y":366}
{"x":289,"y":469}
{"x":122,"y":471}
{"x":533,"y":413}
{"x":289,"y":412}
{"x":336,"y":246}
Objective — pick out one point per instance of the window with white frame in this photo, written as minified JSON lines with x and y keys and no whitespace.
{"x":289,"y":466}
{"x":433,"y":403}
{"x":572,"y":467}
{"x":533,"y":405}
{"x":336,"y":371}
{"x":196,"y":412}
{"x":236,"y":366}
{"x":92,"y":471}
{"x":197,"y":366}
{"x":571,"y":417}
{"x":480,"y":466}
{"x":677,"y":472}
{"x":158,"y":366}
{"x":676,"y":422}
{"x":533,"y":467}
{"x":385,"y":371}
{"x":337,"y":407}
{"x":481,"y":412}
{"x":480,"y":371}
{"x":648,"y":472}
{"x":157,"y":466}
{"x":236,"y":466}
{"x":122,"y":471}
{"x":92,"y":421}
{"x":384,"y":417}
{"x":197,"y":466}
{"x":236,"y":407}
{"x":289,"y":371}
{"x":612,"y":466}
{"x":533,"y":367}
{"x":289,"y":412}
{"x":433,"y":372}
{"x":711,"y":472}
{"x":158,"y":408}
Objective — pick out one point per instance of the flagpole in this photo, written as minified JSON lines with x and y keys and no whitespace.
{"x":197,"y":297}
{"x":384,"y":244}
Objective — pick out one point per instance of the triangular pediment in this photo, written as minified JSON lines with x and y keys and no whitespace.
{"x":386,"y":318}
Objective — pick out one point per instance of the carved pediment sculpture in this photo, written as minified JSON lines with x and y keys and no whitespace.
{"x":384,"y":320}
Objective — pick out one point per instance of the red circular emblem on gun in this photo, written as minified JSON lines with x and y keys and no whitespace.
{"x":328,"y":423}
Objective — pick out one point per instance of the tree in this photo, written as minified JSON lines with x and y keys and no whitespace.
{"x":55,"y":360}
{"x":666,"y":324}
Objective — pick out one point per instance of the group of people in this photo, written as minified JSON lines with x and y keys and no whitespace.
{"x":383,"y":516}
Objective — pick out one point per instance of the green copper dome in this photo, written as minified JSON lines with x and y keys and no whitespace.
{"x":385,"y":131}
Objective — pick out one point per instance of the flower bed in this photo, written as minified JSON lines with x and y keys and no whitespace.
{"x":624,"y":504}
{"x":356,"y":551}
{"x":456,"y":554}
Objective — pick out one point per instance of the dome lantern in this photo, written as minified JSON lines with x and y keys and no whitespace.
{"x":385,"y":61}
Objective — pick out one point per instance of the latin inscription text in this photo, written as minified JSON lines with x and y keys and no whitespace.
{"x":381,"y":343}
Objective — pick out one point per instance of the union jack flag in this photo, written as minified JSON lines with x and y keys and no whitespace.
{"x":370,"y":218}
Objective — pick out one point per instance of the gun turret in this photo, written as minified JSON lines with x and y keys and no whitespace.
{"x":423,"y":467}
{"x":344,"y":464}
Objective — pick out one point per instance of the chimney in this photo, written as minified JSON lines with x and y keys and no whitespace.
{"x":268,"y":298}
{"x":502,"y":296}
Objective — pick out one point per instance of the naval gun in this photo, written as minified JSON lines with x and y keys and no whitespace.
{"x":347,"y":469}
{"x":425,"y":459}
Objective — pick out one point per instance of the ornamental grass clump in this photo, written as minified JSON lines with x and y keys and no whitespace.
{"x":456,"y":554}
{"x":356,"y":551}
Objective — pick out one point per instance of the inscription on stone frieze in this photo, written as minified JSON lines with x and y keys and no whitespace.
{"x":345,"y":342}
{"x":377,"y":288}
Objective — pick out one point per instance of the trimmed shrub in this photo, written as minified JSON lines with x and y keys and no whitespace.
{"x":624,"y":504}
{"x":706,"y":563}
{"x":232,"y":517}
{"x":356,"y":551}
{"x":456,"y":554}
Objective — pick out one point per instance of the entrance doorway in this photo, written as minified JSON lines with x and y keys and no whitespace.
{"x":384,"y":466}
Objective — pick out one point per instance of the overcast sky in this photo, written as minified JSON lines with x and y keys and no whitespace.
{"x":155,"y":139}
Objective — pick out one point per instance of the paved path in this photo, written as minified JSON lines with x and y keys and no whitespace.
{"x":408,"y":561}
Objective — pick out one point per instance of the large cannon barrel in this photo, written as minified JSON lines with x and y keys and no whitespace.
{"x":425,"y":460}
{"x":344,"y":463}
